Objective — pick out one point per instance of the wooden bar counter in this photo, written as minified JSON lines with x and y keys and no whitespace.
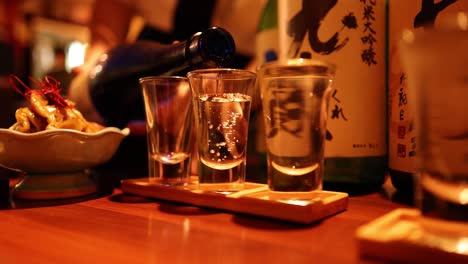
{"x":115,"y":227}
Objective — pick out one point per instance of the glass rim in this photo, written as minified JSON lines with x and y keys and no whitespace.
{"x":154,"y":78}
{"x":240,"y":72}
{"x":294,"y":66}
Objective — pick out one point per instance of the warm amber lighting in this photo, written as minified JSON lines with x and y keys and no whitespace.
{"x":408,"y":36}
{"x":75,"y":55}
{"x":464,"y":196}
{"x":462,"y":21}
{"x":97,"y":69}
{"x":298,"y":202}
{"x":462,"y":246}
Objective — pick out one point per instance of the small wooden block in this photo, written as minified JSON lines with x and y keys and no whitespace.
{"x":404,"y":236}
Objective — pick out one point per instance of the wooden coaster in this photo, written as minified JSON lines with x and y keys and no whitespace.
{"x":404,"y":236}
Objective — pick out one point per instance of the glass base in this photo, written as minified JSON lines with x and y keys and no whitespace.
{"x":441,"y":199}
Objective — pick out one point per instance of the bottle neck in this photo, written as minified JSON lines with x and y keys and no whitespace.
{"x":212,"y":48}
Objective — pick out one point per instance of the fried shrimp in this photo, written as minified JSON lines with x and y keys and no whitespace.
{"x":27,"y":121}
{"x":48,"y":109}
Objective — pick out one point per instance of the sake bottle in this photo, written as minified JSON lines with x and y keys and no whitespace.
{"x":113,"y":83}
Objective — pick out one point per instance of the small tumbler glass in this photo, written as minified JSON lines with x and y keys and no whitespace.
{"x":169,"y":120}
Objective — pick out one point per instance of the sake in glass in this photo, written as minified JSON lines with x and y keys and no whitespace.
{"x":295,"y":95}
{"x":222,"y":109}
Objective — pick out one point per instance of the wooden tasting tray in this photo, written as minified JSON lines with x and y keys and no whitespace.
{"x":254,"y":199}
{"x":403,"y":236}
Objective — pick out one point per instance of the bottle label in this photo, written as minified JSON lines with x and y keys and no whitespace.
{"x":401,"y":129}
{"x":350,"y":34}
{"x":402,"y":132}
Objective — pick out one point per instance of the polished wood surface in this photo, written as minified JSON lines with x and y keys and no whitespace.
{"x":120,"y":228}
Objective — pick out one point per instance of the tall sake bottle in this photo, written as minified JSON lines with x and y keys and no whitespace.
{"x":352,"y":35}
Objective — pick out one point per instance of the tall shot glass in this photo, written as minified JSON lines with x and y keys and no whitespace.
{"x":436,"y":63}
{"x":222,"y":109}
{"x":295,"y":95}
{"x":169,"y":120}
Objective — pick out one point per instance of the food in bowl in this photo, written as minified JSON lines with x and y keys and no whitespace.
{"x":47,"y":108}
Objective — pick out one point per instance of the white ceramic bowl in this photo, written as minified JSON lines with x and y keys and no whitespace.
{"x":58,"y":150}
{"x":53,"y":154}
